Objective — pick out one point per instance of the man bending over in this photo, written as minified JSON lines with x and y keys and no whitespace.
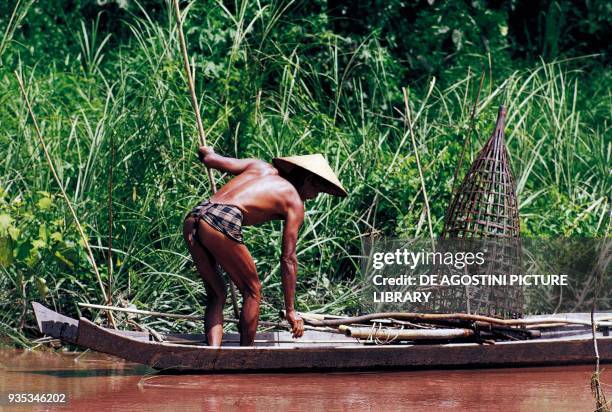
{"x":258,"y":192}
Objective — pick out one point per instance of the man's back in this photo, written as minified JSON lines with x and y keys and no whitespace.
{"x":259,"y":192}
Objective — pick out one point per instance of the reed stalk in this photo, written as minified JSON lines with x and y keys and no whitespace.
{"x":418,"y":162}
{"x":90,"y":256}
{"x":109,"y":255}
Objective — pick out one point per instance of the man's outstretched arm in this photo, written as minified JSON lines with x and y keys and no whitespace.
{"x":230,"y":165}
{"x":293,"y":221}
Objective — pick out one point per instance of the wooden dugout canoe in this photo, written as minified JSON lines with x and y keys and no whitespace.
{"x":276,"y":351}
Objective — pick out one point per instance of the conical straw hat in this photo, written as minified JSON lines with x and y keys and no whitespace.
{"x":316,"y":164}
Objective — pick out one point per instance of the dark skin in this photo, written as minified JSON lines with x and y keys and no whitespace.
{"x":262,"y":194}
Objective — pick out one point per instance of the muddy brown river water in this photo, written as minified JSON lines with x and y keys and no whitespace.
{"x":96,"y":382}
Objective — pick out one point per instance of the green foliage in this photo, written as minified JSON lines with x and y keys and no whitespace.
{"x":274,"y":78}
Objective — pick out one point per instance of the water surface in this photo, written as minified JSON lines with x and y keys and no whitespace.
{"x":94,"y":381}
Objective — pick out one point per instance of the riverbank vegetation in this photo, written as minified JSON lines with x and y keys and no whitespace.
{"x":280,"y":78}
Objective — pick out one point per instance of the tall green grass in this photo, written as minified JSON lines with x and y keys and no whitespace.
{"x":263,"y":96}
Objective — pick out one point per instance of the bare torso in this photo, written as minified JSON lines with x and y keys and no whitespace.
{"x":260,"y":193}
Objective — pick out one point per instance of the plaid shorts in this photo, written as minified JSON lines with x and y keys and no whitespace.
{"x":227,"y":219}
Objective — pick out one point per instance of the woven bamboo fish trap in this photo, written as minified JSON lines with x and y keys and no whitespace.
{"x":485,"y":205}
{"x":484,"y":215}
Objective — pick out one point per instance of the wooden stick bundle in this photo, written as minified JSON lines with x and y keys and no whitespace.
{"x":437,"y":317}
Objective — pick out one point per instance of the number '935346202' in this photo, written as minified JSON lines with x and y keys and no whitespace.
{"x":33,"y":397}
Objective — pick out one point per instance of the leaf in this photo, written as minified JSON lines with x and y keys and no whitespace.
{"x":42,"y":232}
{"x":62,"y":259}
{"x":6,"y":251}
{"x":17,"y":202}
{"x":44,"y":203}
{"x":83,"y":242}
{"x":38,"y":244}
{"x":41,"y":285}
{"x":5,"y":222}
{"x":457,"y":38}
{"x":14,"y":232}
{"x":32,"y":258}
{"x":57,"y":237}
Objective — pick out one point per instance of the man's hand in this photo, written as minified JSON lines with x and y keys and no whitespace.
{"x":296,"y":322}
{"x":204,"y":151}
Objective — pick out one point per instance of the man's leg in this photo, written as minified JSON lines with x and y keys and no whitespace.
{"x":236,"y":260}
{"x":216,"y":290}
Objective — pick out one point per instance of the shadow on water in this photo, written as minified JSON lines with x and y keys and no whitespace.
{"x":86,"y":373}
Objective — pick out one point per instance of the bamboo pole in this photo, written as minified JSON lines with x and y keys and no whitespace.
{"x":192,"y":93}
{"x":141,"y":312}
{"x":316,"y":316}
{"x":282,"y":325}
{"x":201,"y":132}
{"x":334,"y":342}
{"x":406,"y":334}
{"x":65,"y":196}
